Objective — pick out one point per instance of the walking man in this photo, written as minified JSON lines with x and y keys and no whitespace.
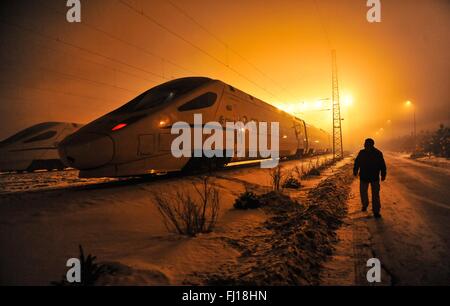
{"x":370,"y":164}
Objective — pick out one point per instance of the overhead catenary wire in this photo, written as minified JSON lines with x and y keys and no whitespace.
{"x":227,"y":47}
{"x":153,"y":20}
{"x":68,"y":75}
{"x":7,"y":84}
{"x":193,"y":45}
{"x":56,"y":50}
{"x":95,"y":53}
{"x":111,"y":68}
{"x":72,"y":76}
{"x":164,"y":60}
{"x":125,"y":42}
{"x":323,"y":25}
{"x":30,"y":101}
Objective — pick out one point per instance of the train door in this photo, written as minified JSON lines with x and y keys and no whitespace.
{"x":230,"y":108}
{"x":228,"y":113}
{"x":244,"y":113}
{"x":307,"y":139}
{"x":302,"y":140}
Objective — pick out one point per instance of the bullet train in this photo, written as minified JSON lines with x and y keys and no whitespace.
{"x":136,"y":139}
{"x":35,"y":148}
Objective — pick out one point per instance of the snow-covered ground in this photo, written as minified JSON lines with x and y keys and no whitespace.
{"x":119,"y":222}
{"x":429,"y":159}
{"x":435,"y":161}
{"x":45,"y":216}
{"x":44,"y":180}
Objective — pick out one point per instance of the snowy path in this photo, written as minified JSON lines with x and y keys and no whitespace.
{"x":412,"y":240}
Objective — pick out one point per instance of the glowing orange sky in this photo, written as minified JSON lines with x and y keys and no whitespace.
{"x":405,"y":57}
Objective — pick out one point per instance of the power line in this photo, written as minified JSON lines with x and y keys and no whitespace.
{"x":57,"y":39}
{"x":226,"y":45}
{"x":68,"y":75}
{"x":87,"y":80}
{"x":323,"y":25}
{"x":151,"y":19}
{"x":114,"y":69}
{"x":52,"y":91}
{"x":30,"y":101}
{"x":123,"y":41}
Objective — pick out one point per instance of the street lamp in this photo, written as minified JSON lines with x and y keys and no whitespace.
{"x":409,"y":104}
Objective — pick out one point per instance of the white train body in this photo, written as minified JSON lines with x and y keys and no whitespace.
{"x":136,"y":138}
{"x":35,"y":148}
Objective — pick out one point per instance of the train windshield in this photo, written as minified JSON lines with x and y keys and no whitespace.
{"x":162,"y":94}
{"x":24,"y":134}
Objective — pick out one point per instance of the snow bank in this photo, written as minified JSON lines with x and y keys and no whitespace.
{"x":292,"y":244}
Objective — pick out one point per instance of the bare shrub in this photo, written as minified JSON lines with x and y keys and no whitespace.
{"x":247,"y":200}
{"x":276,"y":175}
{"x":185,"y":215}
{"x":316,"y":167}
{"x":325,"y":163}
{"x":313,"y":169}
{"x":299,"y":171}
{"x":291,"y":182}
{"x":90,"y":271}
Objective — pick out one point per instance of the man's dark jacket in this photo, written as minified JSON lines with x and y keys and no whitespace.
{"x":370,"y":163}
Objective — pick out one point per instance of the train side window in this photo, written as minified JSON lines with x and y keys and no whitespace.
{"x":162,"y":94}
{"x":28,"y":132}
{"x":206,"y":100}
{"x":40,"y":137}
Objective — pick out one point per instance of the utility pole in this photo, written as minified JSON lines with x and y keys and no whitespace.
{"x":338,"y":151}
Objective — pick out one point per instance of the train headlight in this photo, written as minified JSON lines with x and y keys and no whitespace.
{"x":163,"y":123}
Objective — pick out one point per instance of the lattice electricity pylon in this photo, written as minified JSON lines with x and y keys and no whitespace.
{"x":338,"y":151}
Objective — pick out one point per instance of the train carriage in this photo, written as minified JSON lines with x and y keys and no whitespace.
{"x":136,"y":138}
{"x":35,"y":148}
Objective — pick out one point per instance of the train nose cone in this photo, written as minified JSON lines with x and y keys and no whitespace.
{"x":86,"y":150}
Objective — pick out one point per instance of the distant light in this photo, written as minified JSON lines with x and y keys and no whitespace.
{"x":119,"y":126}
{"x":284,"y":136}
{"x":408,"y":103}
{"x":348,"y":100}
{"x":289,"y":108}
